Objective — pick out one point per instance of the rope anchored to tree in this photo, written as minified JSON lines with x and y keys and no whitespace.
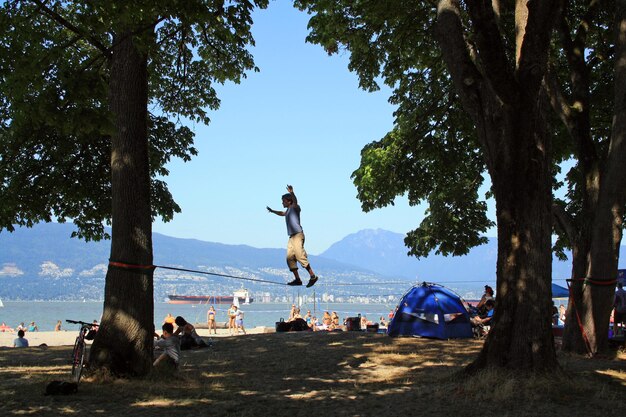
{"x":579,"y":321}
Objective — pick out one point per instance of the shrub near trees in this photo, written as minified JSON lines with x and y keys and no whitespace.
{"x":78,"y":141}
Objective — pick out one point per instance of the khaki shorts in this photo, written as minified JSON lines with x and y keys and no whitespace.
{"x":296,"y":252}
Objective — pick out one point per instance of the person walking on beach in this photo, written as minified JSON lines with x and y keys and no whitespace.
{"x":239,"y":321}
{"x":295,"y":245}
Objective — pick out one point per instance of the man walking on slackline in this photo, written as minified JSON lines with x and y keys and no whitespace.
{"x":295,"y":246}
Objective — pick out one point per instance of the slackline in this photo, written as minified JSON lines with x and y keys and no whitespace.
{"x":139,"y":268}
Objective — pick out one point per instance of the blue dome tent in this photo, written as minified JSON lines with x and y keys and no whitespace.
{"x":559,"y":292}
{"x":431,"y":310}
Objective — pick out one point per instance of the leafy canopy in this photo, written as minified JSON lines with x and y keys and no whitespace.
{"x":55,"y":124}
{"x":432,"y":153}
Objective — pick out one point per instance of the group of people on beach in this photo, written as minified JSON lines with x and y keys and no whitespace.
{"x":235,"y":320}
{"x":331,"y":321}
{"x":482,"y":314}
{"x":20,"y":340}
{"x":32,"y":327}
{"x":558,"y":315}
{"x":483,"y":317}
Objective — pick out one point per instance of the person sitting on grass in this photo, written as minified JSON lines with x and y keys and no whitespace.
{"x":170,"y":345}
{"x":482,"y":324}
{"x":21,"y":341}
{"x":189,"y":338}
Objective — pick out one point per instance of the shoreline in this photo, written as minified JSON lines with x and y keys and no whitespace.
{"x":67,"y":337}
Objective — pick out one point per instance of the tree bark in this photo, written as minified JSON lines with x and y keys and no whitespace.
{"x":124,"y":342}
{"x":586,"y":329}
{"x":503,"y":100}
{"x":521,"y":337}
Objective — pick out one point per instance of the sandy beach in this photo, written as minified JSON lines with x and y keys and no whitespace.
{"x":67,"y":337}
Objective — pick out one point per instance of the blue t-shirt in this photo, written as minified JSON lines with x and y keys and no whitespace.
{"x":292,"y":217}
{"x":20,"y":342}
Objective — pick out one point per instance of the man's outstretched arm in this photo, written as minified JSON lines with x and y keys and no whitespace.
{"x":279,"y":213}
{"x":290,"y":190}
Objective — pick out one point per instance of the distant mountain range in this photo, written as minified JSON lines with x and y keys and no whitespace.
{"x":384,"y":252}
{"x":43,"y":263}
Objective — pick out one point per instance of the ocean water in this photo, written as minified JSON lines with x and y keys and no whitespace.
{"x":46,"y":313}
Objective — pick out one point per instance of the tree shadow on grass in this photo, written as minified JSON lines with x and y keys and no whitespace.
{"x":301,"y":374}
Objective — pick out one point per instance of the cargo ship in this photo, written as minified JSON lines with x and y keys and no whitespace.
{"x":241,"y":296}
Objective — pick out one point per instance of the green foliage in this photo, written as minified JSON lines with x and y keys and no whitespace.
{"x":588,"y":27}
{"x":432,"y":153}
{"x":55,"y":124}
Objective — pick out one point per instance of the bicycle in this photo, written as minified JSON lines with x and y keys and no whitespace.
{"x":80,"y":346}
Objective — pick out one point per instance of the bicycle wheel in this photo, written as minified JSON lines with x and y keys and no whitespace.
{"x":78,"y":358}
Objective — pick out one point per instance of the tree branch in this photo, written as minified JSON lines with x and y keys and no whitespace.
{"x":564,"y":221}
{"x":558,"y":101}
{"x":469,"y":83}
{"x":534,"y":20}
{"x":464,"y":73}
{"x":65,"y":23}
{"x":579,"y":106}
{"x":491,"y":51}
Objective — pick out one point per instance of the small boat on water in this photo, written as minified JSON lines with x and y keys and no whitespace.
{"x":240,"y":296}
{"x":1,"y":303}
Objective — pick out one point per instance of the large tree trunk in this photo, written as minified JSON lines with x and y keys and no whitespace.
{"x":593,"y":289}
{"x":521,"y":337}
{"x":502,"y":98}
{"x":124,"y":341}
{"x":586,"y":329}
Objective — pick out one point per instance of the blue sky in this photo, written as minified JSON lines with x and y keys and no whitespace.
{"x":301,"y":120}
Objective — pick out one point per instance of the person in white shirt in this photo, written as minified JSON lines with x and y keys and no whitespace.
{"x":169,"y":344}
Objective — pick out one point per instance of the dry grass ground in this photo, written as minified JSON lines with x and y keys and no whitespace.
{"x":317,"y":374}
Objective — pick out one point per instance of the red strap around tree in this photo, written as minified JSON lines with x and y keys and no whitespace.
{"x":571,"y":297}
{"x":133,"y":267}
